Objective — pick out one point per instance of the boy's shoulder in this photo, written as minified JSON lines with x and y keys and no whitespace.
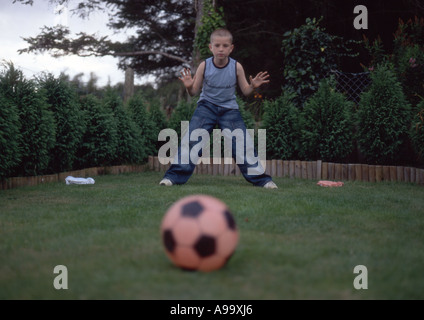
{"x":238,"y":64}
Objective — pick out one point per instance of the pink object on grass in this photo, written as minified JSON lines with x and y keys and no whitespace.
{"x":325,"y":183}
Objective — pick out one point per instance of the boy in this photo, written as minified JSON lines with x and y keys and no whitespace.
{"x":217,"y":78}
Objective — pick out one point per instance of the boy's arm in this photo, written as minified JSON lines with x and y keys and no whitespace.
{"x":245,"y":87}
{"x":193,"y":85}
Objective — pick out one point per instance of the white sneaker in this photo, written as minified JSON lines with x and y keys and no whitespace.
{"x":270,"y":185}
{"x":166,"y":182}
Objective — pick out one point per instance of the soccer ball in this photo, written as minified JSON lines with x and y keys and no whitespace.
{"x":199,"y":233}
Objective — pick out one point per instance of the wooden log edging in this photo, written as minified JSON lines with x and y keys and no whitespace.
{"x":311,"y":170}
{"x":15,"y":182}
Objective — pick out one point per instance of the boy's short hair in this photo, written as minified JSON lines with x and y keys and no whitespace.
{"x":221,"y":32}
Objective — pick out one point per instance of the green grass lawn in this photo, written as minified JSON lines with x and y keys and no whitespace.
{"x":301,"y":241}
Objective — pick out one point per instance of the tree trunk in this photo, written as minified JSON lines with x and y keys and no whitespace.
{"x":199,"y":6}
{"x":129,"y":84}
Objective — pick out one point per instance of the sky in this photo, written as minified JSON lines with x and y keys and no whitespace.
{"x":19,"y":21}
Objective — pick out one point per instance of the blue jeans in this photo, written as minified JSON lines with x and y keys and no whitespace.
{"x":206,"y":116}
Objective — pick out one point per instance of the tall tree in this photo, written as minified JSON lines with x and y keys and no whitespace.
{"x":163,"y":40}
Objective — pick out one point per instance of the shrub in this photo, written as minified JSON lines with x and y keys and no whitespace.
{"x":310,"y":54}
{"x":140,"y":115}
{"x":9,"y":136}
{"x":158,"y":119}
{"x":37,"y":126}
{"x":157,"y":116}
{"x":410,"y":70}
{"x":408,"y":57}
{"x":63,"y":103}
{"x":417,"y":131}
{"x":182,"y":112}
{"x":246,"y":115}
{"x":130,"y":148}
{"x":383,"y":118}
{"x":100,"y":139}
{"x":326,"y":125}
{"x":281,"y":121}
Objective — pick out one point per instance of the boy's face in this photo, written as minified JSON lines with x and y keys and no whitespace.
{"x":221,"y":47}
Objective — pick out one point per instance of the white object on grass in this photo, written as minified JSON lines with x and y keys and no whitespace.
{"x":73,"y":180}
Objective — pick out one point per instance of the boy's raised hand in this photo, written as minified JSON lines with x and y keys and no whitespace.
{"x":186,"y":78}
{"x":260,"y":79}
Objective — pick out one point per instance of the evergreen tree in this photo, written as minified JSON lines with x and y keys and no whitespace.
{"x":9,"y":136}
{"x":131,"y":148}
{"x":383,"y":118}
{"x":100,"y":140}
{"x":182,"y":112}
{"x":158,"y":119}
{"x":326,"y":125}
{"x":417,"y":132}
{"x":37,"y":126}
{"x":163,"y":40}
{"x":140,"y":115}
{"x":281,"y":121}
{"x":64,"y":105}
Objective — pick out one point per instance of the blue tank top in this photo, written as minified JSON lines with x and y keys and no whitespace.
{"x":219,"y":84}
